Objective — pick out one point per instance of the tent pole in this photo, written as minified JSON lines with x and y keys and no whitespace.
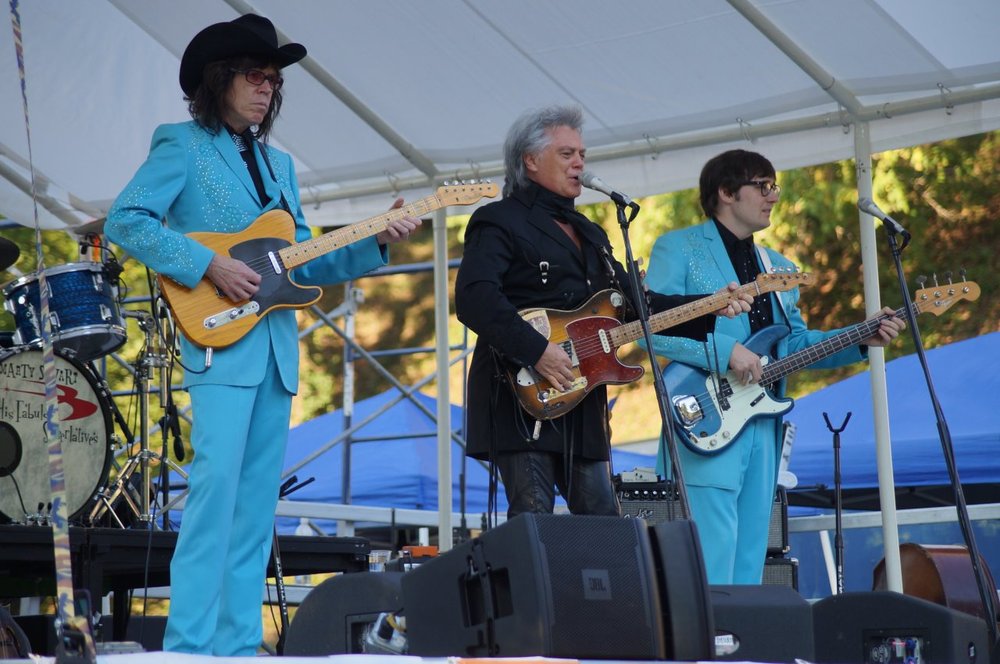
{"x":345,"y":529}
{"x":876,"y":359}
{"x":441,"y":311}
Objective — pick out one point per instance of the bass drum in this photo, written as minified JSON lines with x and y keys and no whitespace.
{"x":84,"y":431}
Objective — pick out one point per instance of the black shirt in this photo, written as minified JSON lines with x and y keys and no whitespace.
{"x":743,"y":255}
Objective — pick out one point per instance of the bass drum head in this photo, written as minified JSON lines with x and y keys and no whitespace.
{"x":84,"y":432}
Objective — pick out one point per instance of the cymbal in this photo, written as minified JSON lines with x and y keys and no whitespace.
{"x":9,"y":253}
{"x":95,"y":227}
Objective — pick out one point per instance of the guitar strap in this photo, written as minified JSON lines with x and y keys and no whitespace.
{"x":765,"y":261}
{"x":627,"y":308}
{"x":267,"y":162}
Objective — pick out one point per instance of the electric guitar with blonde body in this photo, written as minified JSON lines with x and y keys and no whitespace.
{"x":211,"y":320}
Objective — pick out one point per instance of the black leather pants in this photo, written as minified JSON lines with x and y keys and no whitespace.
{"x":530,"y":480}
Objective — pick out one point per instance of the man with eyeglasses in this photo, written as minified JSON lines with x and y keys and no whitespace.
{"x":731,"y":492}
{"x":216,"y":173}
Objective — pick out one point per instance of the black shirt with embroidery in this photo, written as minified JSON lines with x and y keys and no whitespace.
{"x":743,"y":256}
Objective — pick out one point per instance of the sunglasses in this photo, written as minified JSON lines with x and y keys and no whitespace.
{"x":257,"y":77}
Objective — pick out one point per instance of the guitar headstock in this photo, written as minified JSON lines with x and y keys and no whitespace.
{"x":466,"y":193}
{"x":939,"y":299}
{"x":781,"y":280}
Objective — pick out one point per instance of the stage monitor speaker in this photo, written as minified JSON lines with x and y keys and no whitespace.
{"x":683,"y":584}
{"x":540,"y":584}
{"x":761,"y":623}
{"x":883,"y":627}
{"x":333,"y":617}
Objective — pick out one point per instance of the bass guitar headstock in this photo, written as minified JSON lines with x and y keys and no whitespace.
{"x":939,"y":298}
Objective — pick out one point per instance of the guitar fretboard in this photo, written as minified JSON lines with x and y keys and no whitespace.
{"x":303,"y":252}
{"x":774,"y":371}
{"x":629,"y":332}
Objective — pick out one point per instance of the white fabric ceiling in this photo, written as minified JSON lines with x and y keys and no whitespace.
{"x":400,"y":95}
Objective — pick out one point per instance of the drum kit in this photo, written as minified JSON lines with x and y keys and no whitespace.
{"x":87,"y":323}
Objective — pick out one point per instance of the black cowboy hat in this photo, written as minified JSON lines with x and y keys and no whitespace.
{"x":247,"y":35}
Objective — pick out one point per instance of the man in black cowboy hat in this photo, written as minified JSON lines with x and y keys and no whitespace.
{"x":215,"y":173}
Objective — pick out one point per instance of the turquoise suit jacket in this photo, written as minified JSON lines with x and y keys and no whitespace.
{"x":694,"y":260}
{"x":194,"y":180}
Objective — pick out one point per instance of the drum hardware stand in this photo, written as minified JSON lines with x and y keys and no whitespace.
{"x":121,"y":488}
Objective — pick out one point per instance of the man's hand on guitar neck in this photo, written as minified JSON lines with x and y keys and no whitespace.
{"x":739,"y":304}
{"x":398,"y":229}
{"x":889,"y":328}
{"x":233,"y":277}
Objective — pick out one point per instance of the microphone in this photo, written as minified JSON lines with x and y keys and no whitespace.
{"x":868,"y":206}
{"x":591,"y":181}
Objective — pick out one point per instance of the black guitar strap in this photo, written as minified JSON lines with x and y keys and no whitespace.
{"x":628,"y":310}
{"x":267,"y":162}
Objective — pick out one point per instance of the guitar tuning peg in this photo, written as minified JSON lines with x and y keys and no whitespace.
{"x":934,"y":277}
{"x":921,"y":280}
{"x":947,"y":275}
{"x":961,"y":273}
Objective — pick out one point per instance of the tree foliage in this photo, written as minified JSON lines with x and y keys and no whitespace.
{"x":947,"y":194}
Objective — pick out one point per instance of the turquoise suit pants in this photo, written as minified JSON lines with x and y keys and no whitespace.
{"x":233,"y":495}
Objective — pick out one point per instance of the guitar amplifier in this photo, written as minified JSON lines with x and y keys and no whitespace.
{"x":777,"y":532}
{"x":652,"y":501}
{"x":657,"y":501}
{"x":780,"y":571}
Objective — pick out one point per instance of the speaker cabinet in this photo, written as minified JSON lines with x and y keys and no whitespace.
{"x":781,"y":571}
{"x":683,"y":585}
{"x":777,"y":533}
{"x":761,"y":623}
{"x":540,"y":584}
{"x":656,"y":502}
{"x":884,"y":627}
{"x":333,"y":617}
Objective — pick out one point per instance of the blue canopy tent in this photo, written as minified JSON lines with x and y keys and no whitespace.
{"x":968,"y":387}
{"x":393,"y":460}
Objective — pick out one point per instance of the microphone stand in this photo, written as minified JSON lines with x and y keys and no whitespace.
{"x":662,"y":397}
{"x":286,"y":489}
{"x":838,"y":507}
{"x":986,"y":595}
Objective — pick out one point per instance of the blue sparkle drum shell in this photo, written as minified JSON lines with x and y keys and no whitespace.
{"x":85,"y":318}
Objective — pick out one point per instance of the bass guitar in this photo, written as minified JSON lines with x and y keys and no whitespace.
{"x":210,"y":319}
{"x":710,"y":410}
{"x":592,"y":334}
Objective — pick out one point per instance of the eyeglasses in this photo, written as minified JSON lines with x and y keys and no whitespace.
{"x":766,"y":188}
{"x":257,"y":77}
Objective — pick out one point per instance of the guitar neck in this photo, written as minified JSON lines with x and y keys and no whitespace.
{"x":852,"y":336}
{"x":303,"y":252}
{"x":629,"y":332}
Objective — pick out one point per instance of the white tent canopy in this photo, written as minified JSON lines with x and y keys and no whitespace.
{"x":399,"y":95}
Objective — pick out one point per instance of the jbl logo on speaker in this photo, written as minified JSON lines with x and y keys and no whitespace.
{"x":596,"y":584}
